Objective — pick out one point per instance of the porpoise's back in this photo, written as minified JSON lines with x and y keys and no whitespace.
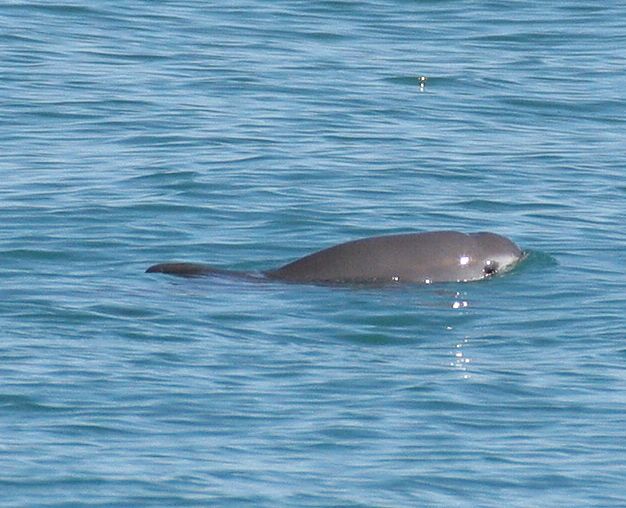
{"x":416,"y":257}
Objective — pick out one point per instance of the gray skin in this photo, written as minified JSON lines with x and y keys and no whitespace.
{"x":437,"y":256}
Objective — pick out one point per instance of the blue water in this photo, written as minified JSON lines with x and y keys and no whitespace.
{"x":249,"y":134}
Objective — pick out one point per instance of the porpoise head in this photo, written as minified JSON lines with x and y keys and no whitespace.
{"x":496,"y":254}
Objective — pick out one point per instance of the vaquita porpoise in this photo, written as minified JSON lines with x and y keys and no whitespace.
{"x":436,"y":256}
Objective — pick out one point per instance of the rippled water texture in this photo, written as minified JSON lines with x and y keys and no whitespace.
{"x":249,"y":134}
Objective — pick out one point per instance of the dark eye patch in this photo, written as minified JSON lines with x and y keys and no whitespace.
{"x":490,"y":268}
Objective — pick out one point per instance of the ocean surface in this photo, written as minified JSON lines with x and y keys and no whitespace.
{"x":246,"y":134}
